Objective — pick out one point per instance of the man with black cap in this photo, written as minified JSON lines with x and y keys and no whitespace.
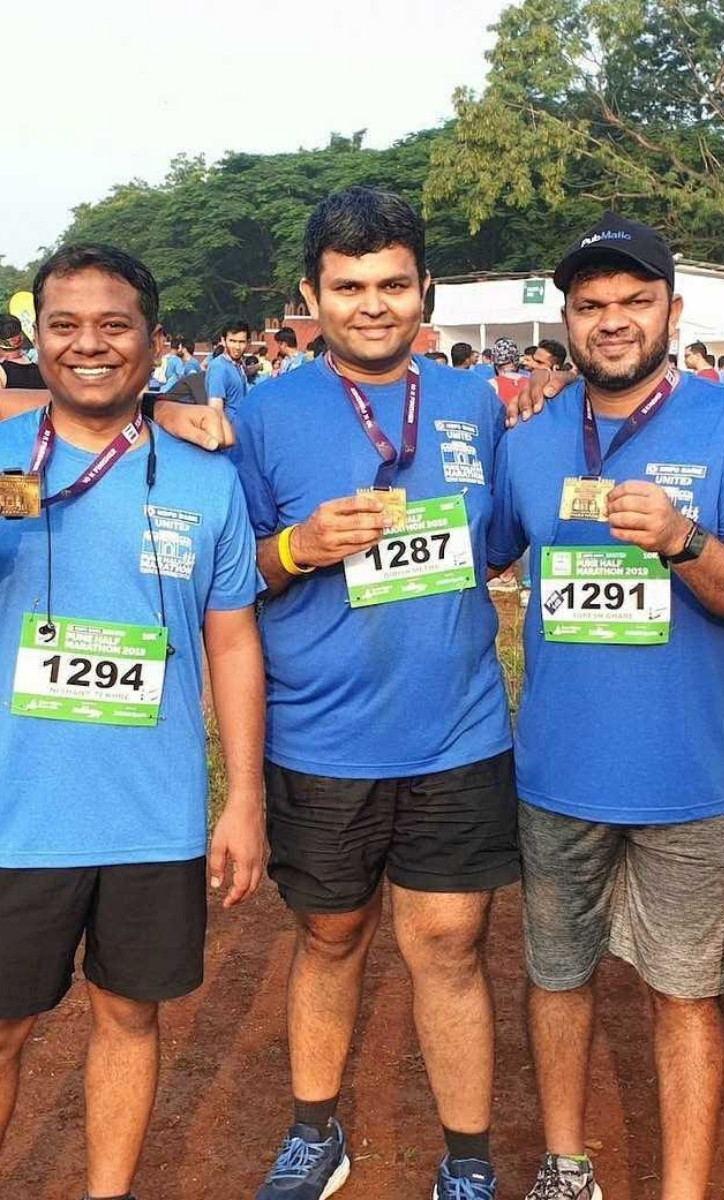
{"x":619,"y":491}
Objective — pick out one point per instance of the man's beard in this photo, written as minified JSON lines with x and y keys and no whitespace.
{"x":609,"y":380}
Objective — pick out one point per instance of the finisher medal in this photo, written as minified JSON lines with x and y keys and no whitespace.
{"x":584,"y":499}
{"x":19,"y":495}
{"x":395,"y":502}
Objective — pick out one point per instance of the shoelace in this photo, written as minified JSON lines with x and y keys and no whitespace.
{"x":296,"y":1159}
{"x":466,"y":1189}
{"x":552,"y":1185}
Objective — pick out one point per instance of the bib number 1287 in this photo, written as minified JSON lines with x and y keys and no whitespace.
{"x":418,"y":550}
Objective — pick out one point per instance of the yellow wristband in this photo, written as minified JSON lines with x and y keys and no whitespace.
{"x":286,"y":558}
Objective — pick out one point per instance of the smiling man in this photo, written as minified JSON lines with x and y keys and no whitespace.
{"x":618,"y":489}
{"x":130,"y":545}
{"x":368,"y":481}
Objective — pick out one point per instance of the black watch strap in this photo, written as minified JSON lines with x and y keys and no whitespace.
{"x":696,"y":540}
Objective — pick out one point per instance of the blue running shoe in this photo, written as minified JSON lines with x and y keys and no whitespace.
{"x":465,"y":1179}
{"x":306,"y":1168}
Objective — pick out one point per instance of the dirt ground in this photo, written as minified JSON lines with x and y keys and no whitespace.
{"x":224,"y":1095}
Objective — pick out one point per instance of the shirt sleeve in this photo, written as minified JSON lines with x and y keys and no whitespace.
{"x":506,"y":537}
{"x":214,"y":379}
{"x":236,"y":582}
{"x":262,"y":505}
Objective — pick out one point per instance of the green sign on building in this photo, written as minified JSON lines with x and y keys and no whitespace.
{"x":534,"y":291}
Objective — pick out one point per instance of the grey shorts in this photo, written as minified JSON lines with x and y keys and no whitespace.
{"x":650,"y":894}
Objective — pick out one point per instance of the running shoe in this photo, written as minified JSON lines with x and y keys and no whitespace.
{"x":561,"y":1178}
{"x":307,"y":1168}
{"x":465,"y":1179}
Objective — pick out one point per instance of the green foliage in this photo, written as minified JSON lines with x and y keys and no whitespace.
{"x":13,"y":280}
{"x":226,"y":240}
{"x":592,"y":103}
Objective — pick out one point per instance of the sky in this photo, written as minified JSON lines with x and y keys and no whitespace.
{"x":107,"y":93}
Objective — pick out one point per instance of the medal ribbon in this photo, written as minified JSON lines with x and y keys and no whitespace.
{"x":645,"y":412}
{"x":100,"y":466}
{"x":382,"y":444}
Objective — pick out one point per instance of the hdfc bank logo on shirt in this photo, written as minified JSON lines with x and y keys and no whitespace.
{"x":460,"y":462}
{"x":172,"y":552}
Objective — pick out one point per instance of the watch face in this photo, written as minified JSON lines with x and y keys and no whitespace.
{"x":697,"y":542}
{"x":693,"y":546}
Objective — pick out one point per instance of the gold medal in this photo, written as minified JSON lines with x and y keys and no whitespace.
{"x":395,"y":502}
{"x":584,"y":499}
{"x":19,"y":495}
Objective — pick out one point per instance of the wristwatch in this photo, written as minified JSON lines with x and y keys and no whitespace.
{"x":696,"y":540}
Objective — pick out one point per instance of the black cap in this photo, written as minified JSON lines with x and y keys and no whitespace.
{"x":613,"y":234}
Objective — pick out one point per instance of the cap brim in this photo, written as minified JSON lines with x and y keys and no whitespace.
{"x":566,"y":269}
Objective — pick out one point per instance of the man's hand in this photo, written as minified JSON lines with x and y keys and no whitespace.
{"x":533,"y":393}
{"x":336,"y":529}
{"x":239,"y":839}
{"x":642,"y":514}
{"x":197,"y":423}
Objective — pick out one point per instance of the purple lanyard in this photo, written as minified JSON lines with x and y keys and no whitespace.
{"x":380,"y":441}
{"x":645,"y":412}
{"x":100,"y":466}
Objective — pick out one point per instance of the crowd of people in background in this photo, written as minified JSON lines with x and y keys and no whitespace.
{"x":184,"y":373}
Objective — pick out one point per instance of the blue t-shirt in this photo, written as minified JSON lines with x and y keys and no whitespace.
{"x":619,"y":734}
{"x":85,"y":794}
{"x":226,"y":379}
{"x":397,"y":689}
{"x":174,"y":372}
{"x":487,"y":370}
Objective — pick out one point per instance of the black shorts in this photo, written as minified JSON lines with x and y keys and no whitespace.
{"x":144,"y":927}
{"x":333,"y":839}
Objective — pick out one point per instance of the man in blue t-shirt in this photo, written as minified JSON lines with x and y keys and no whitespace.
{"x":388,"y":735}
{"x":141,"y":544}
{"x":226,"y":386}
{"x":619,"y":491}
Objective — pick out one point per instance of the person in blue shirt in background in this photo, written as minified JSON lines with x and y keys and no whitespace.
{"x":143,"y":543}
{"x":291,"y":357}
{"x":226,"y":383}
{"x":485,"y":367}
{"x":618,"y":488}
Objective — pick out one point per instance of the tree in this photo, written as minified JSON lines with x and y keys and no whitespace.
{"x":226,"y":240}
{"x":591,"y":104}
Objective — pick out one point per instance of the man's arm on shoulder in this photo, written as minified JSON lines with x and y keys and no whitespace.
{"x":196,"y":423}
{"x":14,"y":401}
{"x":234,"y":655}
{"x":533,"y":392}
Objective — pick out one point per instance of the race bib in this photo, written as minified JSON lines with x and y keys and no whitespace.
{"x":605,"y":595}
{"x":89,"y":671}
{"x":433,"y":555}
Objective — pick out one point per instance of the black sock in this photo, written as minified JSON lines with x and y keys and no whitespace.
{"x":467,"y":1145}
{"x":125,"y":1196}
{"x":317,"y":1113}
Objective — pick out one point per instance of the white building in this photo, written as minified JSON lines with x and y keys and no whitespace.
{"x":527,"y":307}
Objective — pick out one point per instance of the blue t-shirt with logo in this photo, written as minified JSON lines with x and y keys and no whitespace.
{"x":397,"y":689}
{"x":619,"y":734}
{"x":89,"y":794}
